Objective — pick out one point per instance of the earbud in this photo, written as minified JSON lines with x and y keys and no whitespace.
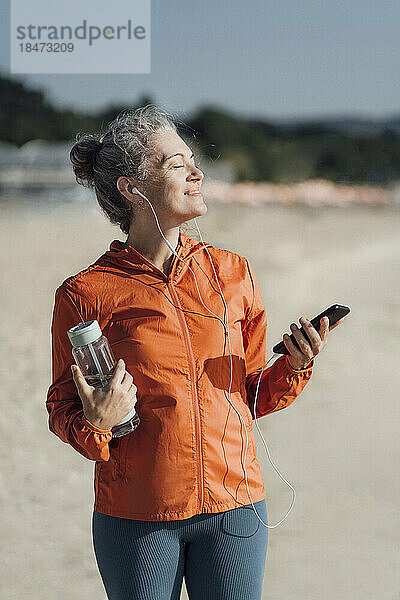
{"x":136,"y":191}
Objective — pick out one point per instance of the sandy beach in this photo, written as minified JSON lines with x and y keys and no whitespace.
{"x":337,"y":444}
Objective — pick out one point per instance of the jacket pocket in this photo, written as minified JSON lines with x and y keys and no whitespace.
{"x":123,"y":450}
{"x":250,"y":435}
{"x":246,"y":408}
{"x":118,"y":450}
{"x":243,"y":407}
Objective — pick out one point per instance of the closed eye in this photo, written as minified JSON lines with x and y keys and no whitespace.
{"x":181,"y":166}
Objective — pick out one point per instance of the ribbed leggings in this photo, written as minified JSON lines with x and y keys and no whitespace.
{"x":221,"y":555}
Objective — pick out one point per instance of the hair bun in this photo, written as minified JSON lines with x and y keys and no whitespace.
{"x":82,"y":156}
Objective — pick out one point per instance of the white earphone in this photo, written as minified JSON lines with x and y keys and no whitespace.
{"x":136,"y":191}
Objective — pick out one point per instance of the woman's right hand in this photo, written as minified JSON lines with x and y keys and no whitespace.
{"x":107,"y":406}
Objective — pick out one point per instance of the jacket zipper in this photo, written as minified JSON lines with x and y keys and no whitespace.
{"x":194,"y":394}
{"x":192,"y":364}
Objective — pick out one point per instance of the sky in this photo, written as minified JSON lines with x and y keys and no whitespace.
{"x":285,"y":59}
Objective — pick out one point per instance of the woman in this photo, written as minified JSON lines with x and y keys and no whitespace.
{"x":172,"y":497}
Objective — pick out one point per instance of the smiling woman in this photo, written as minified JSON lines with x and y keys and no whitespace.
{"x":192,"y":459}
{"x":141,"y":148}
{"x":100,"y":159}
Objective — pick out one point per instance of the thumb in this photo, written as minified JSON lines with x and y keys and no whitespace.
{"x":79,"y":379}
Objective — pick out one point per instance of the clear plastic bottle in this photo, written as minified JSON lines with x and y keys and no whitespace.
{"x":92,"y":353}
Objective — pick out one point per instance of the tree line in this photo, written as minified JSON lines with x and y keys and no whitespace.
{"x":259,"y":150}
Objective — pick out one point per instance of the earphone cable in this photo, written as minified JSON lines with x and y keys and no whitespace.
{"x":231,"y":368}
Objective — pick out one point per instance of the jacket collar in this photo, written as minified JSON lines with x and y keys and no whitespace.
{"x":127,"y":258}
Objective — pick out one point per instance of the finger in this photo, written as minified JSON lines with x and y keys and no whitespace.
{"x":133,"y":389}
{"x":302,"y":341}
{"x":312,"y":333}
{"x":79,"y":380}
{"x":317,"y":335}
{"x":324,"y":329}
{"x":119,"y":372}
{"x":292,"y":348}
{"x":127,"y":381}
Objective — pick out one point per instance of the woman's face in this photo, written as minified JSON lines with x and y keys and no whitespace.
{"x":173,"y":180}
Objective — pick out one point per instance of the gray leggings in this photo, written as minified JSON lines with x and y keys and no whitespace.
{"x":221,"y":555}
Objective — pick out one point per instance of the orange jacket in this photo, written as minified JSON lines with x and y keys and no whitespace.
{"x":186,"y":455}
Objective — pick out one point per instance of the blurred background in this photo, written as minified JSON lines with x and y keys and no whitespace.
{"x":293,"y":112}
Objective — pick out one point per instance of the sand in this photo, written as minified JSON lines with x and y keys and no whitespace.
{"x":337,"y":444}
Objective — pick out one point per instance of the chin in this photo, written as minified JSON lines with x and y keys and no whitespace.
{"x":199,"y":212}
{"x":202,"y":209}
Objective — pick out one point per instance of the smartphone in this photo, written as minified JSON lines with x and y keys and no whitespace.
{"x":334,"y":313}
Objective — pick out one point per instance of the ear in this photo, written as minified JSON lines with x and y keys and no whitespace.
{"x":126,"y":185}
{"x":123,"y":184}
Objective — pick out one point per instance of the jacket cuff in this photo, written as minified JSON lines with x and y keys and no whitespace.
{"x":93,"y":427}
{"x":292,"y":370}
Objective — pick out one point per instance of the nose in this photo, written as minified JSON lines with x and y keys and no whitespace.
{"x":195,"y":175}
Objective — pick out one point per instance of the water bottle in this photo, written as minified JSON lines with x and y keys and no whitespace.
{"x":92,"y":353}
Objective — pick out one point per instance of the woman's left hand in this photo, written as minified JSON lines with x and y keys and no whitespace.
{"x":299,"y":359}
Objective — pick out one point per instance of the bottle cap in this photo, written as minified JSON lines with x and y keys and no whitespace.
{"x":84,"y":333}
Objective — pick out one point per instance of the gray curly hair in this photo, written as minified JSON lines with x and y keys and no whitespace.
{"x":123,"y":150}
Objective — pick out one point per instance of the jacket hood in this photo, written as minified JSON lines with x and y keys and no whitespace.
{"x":127,"y":258}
